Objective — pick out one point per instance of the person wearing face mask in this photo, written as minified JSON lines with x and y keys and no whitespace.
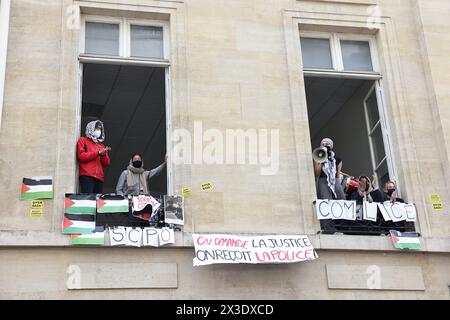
{"x":390,"y":193}
{"x":93,"y":157}
{"x":367,"y":190}
{"x":329,"y":174}
{"x":134,"y":180}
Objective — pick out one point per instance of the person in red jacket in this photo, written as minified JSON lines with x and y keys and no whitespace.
{"x":93,"y":157}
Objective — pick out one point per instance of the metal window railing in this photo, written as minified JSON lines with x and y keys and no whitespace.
{"x":364,"y":227}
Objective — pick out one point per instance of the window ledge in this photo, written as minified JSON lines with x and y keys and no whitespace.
{"x":364,"y":2}
{"x":32,"y":238}
{"x":376,"y":243}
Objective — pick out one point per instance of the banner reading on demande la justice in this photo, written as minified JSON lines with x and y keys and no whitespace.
{"x":226,"y":248}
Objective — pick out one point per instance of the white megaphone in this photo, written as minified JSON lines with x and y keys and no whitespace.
{"x":320,"y":154}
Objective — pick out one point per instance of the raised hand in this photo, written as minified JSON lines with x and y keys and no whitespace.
{"x":394,"y":196}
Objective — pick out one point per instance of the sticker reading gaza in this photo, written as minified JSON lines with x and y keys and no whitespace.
{"x":220,"y":248}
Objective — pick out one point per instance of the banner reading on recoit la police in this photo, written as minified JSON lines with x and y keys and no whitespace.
{"x":227,"y":248}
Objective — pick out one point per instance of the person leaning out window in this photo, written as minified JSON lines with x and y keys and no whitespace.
{"x":135,"y":179}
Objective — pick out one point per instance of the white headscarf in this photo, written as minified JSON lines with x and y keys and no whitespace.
{"x":90,"y":128}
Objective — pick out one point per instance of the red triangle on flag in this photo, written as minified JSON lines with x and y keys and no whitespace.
{"x":24,"y":188}
{"x":394,"y":239}
{"x":100,"y":203}
{"x":68,"y":203}
{"x":73,"y":236}
{"x":67,"y":223}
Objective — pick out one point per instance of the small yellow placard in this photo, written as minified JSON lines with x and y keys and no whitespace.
{"x":435,"y":198}
{"x":436,"y":202}
{"x":186,"y":192}
{"x":207,"y":186}
{"x":36,"y":212}
{"x":37,"y":204}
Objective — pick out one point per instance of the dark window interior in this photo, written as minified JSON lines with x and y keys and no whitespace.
{"x":130,"y":100}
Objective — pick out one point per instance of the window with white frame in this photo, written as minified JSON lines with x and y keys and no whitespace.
{"x":125,"y":38}
{"x":345,"y":102}
{"x":338,"y":52}
{"x":124,"y":71}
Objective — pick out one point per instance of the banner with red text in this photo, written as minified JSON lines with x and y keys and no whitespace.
{"x":226,"y":248}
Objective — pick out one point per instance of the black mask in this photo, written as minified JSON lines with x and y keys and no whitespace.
{"x":137,"y":164}
{"x":390,"y":192}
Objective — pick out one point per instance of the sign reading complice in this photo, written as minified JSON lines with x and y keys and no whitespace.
{"x":349,"y":210}
{"x":225,"y":248}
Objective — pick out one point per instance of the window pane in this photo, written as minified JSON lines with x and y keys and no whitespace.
{"x":147,"y":41}
{"x":316,"y":53}
{"x":372,"y":110}
{"x":377,"y":144}
{"x":356,"y":55}
{"x":102,"y":38}
{"x":383,"y":174}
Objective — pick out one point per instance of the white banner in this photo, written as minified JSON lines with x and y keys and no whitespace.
{"x":226,"y":248}
{"x":117,"y":236}
{"x":150,"y":237}
{"x":370,"y":210}
{"x":166,"y":236}
{"x":347,"y":210}
{"x":336,"y":209}
{"x":133,"y":237}
{"x":137,"y":237}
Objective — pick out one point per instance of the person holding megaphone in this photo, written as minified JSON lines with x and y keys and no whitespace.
{"x":327,"y":168}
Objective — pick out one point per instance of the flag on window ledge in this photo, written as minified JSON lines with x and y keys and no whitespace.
{"x":405,"y":240}
{"x":93,"y":238}
{"x":80,"y":203}
{"x":112,"y":204}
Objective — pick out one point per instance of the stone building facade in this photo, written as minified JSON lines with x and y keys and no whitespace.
{"x":228,"y":65}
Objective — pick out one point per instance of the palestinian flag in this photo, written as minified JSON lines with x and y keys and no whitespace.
{"x":78,"y":223}
{"x":80,"y":203}
{"x":405,"y":240}
{"x":37,"y":188}
{"x":95,"y":238}
{"x":112,"y":204}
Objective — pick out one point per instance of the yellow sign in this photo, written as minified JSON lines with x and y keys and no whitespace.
{"x":206,"y":186}
{"x":37,"y":204}
{"x":435,"y":198}
{"x":186,"y":192}
{"x":436,"y":202}
{"x":438,"y":206}
{"x":36,"y":212}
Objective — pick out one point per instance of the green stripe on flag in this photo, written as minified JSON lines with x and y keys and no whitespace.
{"x":412,"y":246}
{"x":88,"y":239}
{"x":112,"y":209}
{"x":37,"y":195}
{"x":75,"y":230}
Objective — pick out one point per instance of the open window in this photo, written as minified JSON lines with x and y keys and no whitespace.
{"x":124,"y":71}
{"x":346,"y":110}
{"x":345,"y":103}
{"x":130,"y":100}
